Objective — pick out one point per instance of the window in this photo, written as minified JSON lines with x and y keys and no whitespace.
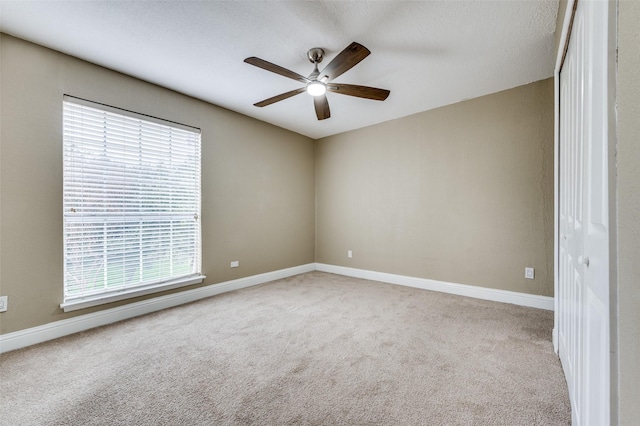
{"x":131,"y":204}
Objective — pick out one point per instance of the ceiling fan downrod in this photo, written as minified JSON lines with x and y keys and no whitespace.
{"x":315,"y":87}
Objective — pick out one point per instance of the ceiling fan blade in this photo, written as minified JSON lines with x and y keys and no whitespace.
{"x":279,"y":97}
{"x":347,"y":59}
{"x":359,"y":91}
{"x":322,"y":107}
{"x":265,"y":65}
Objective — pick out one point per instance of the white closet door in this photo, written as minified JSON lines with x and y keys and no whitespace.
{"x":583,"y":317}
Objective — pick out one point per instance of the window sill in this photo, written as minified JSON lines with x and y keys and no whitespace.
{"x":74,"y":305}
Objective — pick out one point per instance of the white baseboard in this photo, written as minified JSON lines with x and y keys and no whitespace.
{"x":39,"y":334}
{"x":43,"y":333}
{"x":523,"y":299}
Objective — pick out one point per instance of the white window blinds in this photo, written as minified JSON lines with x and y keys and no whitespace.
{"x":131,"y":201}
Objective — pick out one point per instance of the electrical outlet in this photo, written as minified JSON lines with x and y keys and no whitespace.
{"x":4,"y":300}
{"x":529,"y":273}
{"x":235,"y":264}
{"x":349,"y":253}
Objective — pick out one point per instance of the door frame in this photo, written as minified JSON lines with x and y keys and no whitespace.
{"x":612,"y":201}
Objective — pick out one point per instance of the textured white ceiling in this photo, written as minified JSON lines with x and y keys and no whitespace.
{"x":428,"y":53}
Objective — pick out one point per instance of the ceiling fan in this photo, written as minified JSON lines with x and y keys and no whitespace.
{"x":319,"y":82}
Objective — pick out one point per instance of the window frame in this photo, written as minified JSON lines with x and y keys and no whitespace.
{"x":127,"y":291}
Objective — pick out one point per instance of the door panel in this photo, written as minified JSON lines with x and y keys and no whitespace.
{"x":596,"y":242}
{"x":583,"y":287}
{"x":597,"y":358}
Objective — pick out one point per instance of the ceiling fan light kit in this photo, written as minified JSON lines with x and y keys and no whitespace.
{"x":317,"y":85}
{"x":316,"y":88}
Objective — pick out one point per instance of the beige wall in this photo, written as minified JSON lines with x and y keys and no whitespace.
{"x":462,"y":194}
{"x":628,"y":160}
{"x":257,"y":179}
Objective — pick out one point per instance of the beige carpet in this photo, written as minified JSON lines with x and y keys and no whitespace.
{"x":315,"y":349}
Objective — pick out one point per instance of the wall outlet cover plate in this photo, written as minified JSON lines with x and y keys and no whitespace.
{"x":529,"y":273}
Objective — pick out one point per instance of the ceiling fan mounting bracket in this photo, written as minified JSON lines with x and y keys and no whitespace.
{"x":315,"y":55}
